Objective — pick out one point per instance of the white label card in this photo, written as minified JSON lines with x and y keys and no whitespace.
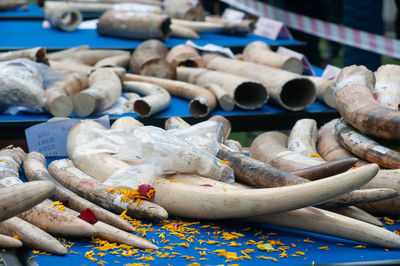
{"x":271,"y":29}
{"x":233,"y":15}
{"x":331,"y":72}
{"x":49,"y":138}
{"x":307,"y":68}
{"x":135,"y":7}
{"x":212,"y":48}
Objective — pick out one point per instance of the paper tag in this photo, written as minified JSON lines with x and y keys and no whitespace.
{"x":381,"y":149}
{"x":233,"y":15}
{"x":212,"y":48}
{"x":271,"y":29}
{"x":193,"y":2}
{"x":78,"y":173}
{"x":49,"y":138}
{"x":331,"y":72}
{"x":135,"y":7}
{"x":88,"y":24}
{"x":307,"y":69}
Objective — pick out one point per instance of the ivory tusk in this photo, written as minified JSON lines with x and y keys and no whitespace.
{"x":156,"y":98}
{"x":131,"y":25}
{"x":184,"y":9}
{"x":234,"y":145}
{"x":32,"y":236}
{"x":175,"y":122}
{"x":225,"y":128}
{"x":202,"y":102}
{"x":325,"y":89}
{"x":225,"y":100}
{"x":104,"y":90}
{"x":58,"y":100}
{"x":59,"y":55}
{"x":179,"y":31}
{"x":210,"y":203}
{"x":149,"y":59}
{"x":119,"y":60}
{"x":35,"y":169}
{"x":5,"y":5}
{"x":126,"y":123}
{"x":358,"y":107}
{"x":246,"y":93}
{"x":328,"y":146}
{"x":101,"y":6}
{"x":77,"y":181}
{"x":358,"y":214}
{"x":21,"y":197}
{"x":9,"y":242}
{"x":243,"y":27}
{"x":37,"y":54}
{"x":184,"y":55}
{"x":71,"y":67}
{"x":387,"y":85}
{"x":91,"y":57}
{"x":365,"y":147}
{"x":131,"y":98}
{"x":198,"y":26}
{"x":291,"y":91}
{"x":261,"y":53}
{"x":63,"y":17}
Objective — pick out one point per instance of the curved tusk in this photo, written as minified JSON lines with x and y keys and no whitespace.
{"x":291,"y":91}
{"x":358,"y":214}
{"x":57,"y":94}
{"x":71,"y":67}
{"x":77,"y":181}
{"x":202,"y":102}
{"x":126,"y":123}
{"x":37,"y":54}
{"x":137,"y":26}
{"x":118,"y":60}
{"x":198,"y":26}
{"x":90,"y":57}
{"x":35,"y":169}
{"x":63,"y":17}
{"x":325,"y":89}
{"x":246,"y":93}
{"x":209,"y":203}
{"x":9,"y":242}
{"x":365,"y":147}
{"x":185,"y":10}
{"x":243,"y":27}
{"x":387,"y":87}
{"x":179,"y":31}
{"x":184,"y":55}
{"x":358,"y":107}
{"x":59,"y":55}
{"x":261,"y":53}
{"x":104,"y":90}
{"x":155,"y":100}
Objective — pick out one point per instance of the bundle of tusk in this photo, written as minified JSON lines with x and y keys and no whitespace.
{"x":74,"y":179}
{"x":261,"y":53}
{"x":184,"y":9}
{"x":325,"y":89}
{"x":198,"y":26}
{"x":104,"y":90}
{"x":243,"y":27}
{"x":155,"y":100}
{"x":35,"y":169}
{"x":202,"y":102}
{"x":21,"y":197}
{"x":126,"y":123}
{"x":291,"y":91}
{"x":131,"y":25}
{"x":365,"y":147}
{"x":118,"y":60}
{"x":58,"y":94}
{"x":212,"y":203}
{"x":37,"y":54}
{"x":179,"y":31}
{"x":71,"y":67}
{"x":149,"y":59}
{"x":387,"y":87}
{"x":358,"y":107}
{"x":32,"y":236}
{"x":10,"y":4}
{"x":59,"y":55}
{"x":328,"y":146}
{"x":246,"y":93}
{"x":63,"y":17}
{"x":184,"y":55}
{"x":9,"y":242}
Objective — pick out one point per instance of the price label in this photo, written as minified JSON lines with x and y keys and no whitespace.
{"x":271,"y":29}
{"x":233,"y":15}
{"x":50,"y":138}
{"x":307,"y":68}
{"x":331,"y":72}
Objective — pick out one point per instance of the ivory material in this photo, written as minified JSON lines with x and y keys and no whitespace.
{"x":365,"y":147}
{"x":149,"y":59}
{"x":103,"y":5}
{"x":155,"y":100}
{"x":131,"y":98}
{"x":211,"y":203}
{"x":63,"y":53}
{"x":358,"y":214}
{"x":21,"y":197}
{"x":198,"y":26}
{"x":104,"y":90}
{"x":202,"y":102}
{"x":10,"y":4}
{"x":9,"y":242}
{"x":37,"y":54}
{"x":179,"y":31}
{"x":126,"y":123}
{"x":77,"y":181}
{"x":234,"y":145}
{"x":225,"y":100}
{"x":243,"y":27}
{"x":32,"y":236}
{"x":303,"y":138}
{"x":63,"y":17}
{"x":328,"y":146}
{"x":72,"y":67}
{"x":119,"y":60}
{"x":246,"y":93}
{"x":175,"y":122}
{"x":387,"y":87}
{"x":136,"y":26}
{"x":325,"y":89}
{"x":113,"y":234}
{"x":358,"y":107}
{"x":184,"y":55}
{"x":58,"y":100}
{"x":184,"y":9}
{"x":291,"y":91}
{"x":259,"y":52}
{"x":225,"y":128}
{"x":91,"y":57}
{"x":35,"y":169}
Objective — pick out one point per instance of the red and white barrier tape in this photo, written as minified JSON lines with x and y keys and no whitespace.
{"x":352,"y":37}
